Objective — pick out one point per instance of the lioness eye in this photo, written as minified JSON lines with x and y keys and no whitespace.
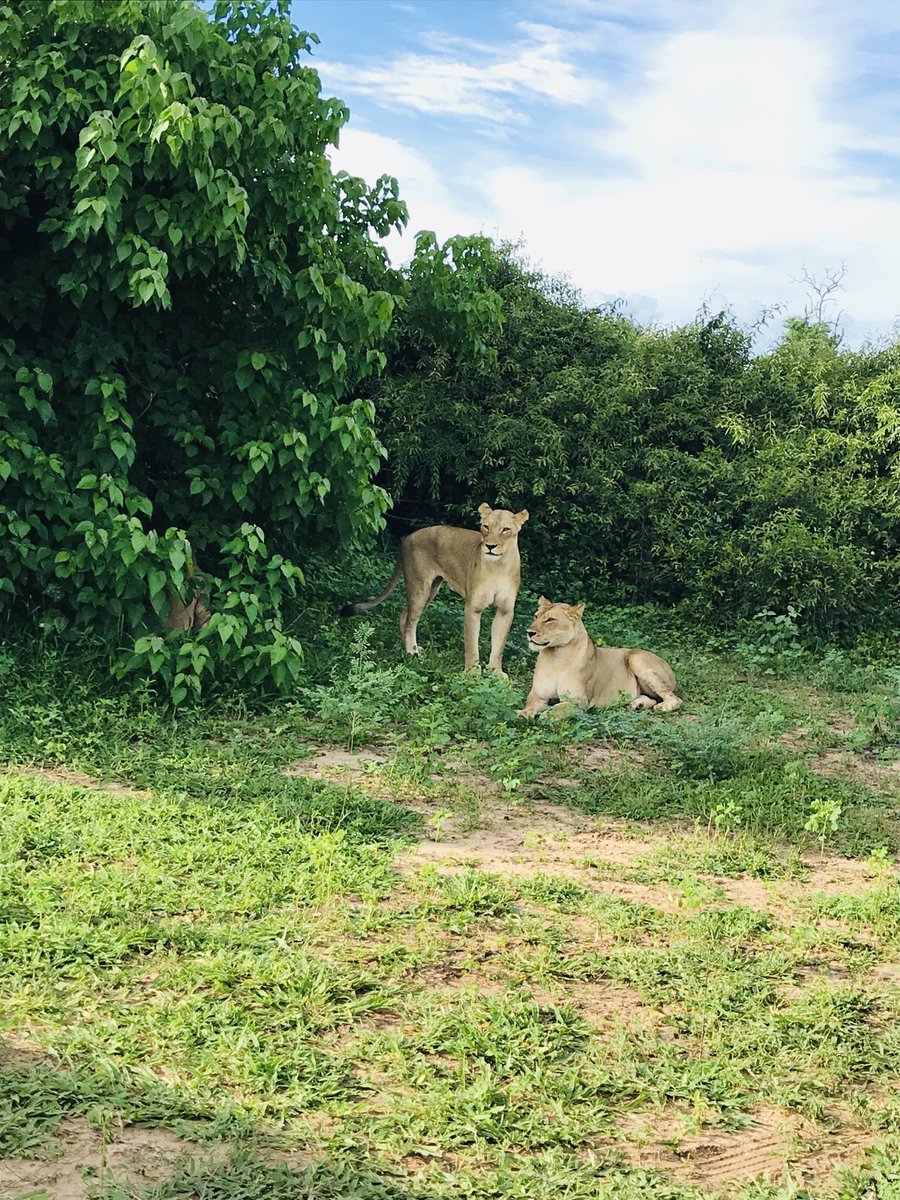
{"x":506,"y":531}
{"x":484,"y":529}
{"x":551,"y":620}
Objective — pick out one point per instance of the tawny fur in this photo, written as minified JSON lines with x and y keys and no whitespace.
{"x":481,"y":566}
{"x":570,"y":666}
{"x":192,"y":613}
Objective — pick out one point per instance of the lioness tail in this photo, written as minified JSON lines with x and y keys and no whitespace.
{"x":353,"y":610}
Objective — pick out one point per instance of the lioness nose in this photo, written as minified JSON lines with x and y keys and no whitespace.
{"x":491,"y":545}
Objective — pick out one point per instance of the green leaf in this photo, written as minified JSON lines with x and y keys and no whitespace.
{"x":156,"y":581}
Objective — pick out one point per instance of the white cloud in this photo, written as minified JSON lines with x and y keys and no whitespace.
{"x":724,"y":100}
{"x":431,"y":203}
{"x":715,"y":168}
{"x":536,"y":67}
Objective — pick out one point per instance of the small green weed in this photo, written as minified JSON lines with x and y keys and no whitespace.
{"x":772,"y":642}
{"x":362,"y":699}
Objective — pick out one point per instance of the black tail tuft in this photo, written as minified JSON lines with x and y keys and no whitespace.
{"x":349,"y":610}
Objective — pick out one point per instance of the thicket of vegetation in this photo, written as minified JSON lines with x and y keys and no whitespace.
{"x":659,"y":465}
{"x":191,"y":300}
{"x":208,"y":366}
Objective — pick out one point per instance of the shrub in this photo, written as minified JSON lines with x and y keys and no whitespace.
{"x":669,"y":466}
{"x":192,"y":299}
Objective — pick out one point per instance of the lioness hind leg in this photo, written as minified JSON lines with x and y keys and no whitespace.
{"x":656,"y":681}
{"x":418,"y":596}
{"x":409,"y":645}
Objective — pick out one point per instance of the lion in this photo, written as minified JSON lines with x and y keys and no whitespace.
{"x":571,"y":665}
{"x":482,"y":566}
{"x":192,"y":613}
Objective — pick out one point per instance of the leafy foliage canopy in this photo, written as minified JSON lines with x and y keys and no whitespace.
{"x":664,"y":465}
{"x":191,"y":301}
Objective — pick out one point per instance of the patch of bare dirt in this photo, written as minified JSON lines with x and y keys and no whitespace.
{"x":878,"y":776}
{"x":746,"y":891}
{"x":336,"y":765}
{"x":475,"y":781}
{"x":842,"y":1151}
{"x":85,"y":1160}
{"x":73,"y":778}
{"x":602,"y":756}
{"x":445,"y":977}
{"x":783,"y":899}
{"x":527,"y":840}
{"x":732,"y":1157}
{"x":779,"y":1147}
{"x":841,"y":762}
{"x":600,"y":1003}
{"x":662,"y":896}
{"x":888,"y":973}
{"x":834,"y":875}
{"x":799,"y":738}
{"x":18,"y":1054}
{"x":810,"y":978}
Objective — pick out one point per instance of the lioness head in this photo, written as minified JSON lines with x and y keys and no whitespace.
{"x":499,"y":529}
{"x":554,"y":624}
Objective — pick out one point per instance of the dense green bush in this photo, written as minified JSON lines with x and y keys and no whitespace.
{"x":191,"y":298}
{"x":672,"y":466}
{"x":196,"y":313}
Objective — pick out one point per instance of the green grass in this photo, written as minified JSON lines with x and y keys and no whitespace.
{"x":192,"y":938}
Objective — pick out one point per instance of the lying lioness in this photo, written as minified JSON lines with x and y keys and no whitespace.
{"x":570,"y":665}
{"x":482,"y":567}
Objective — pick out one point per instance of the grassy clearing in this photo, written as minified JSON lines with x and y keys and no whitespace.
{"x":609,"y":956}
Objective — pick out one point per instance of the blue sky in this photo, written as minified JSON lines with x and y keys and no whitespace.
{"x":669,"y":153}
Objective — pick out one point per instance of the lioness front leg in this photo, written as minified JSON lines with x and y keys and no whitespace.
{"x":472,"y":628}
{"x":500,"y":627}
{"x":535,"y":704}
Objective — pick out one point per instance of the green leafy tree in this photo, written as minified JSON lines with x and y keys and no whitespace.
{"x":664,"y":465}
{"x":192,"y":300}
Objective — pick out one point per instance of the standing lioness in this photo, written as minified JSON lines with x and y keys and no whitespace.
{"x":569,"y":664}
{"x":482,"y":567}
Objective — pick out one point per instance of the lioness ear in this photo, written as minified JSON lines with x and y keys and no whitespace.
{"x":543,"y":603}
{"x":576,"y":610}
{"x":484,"y":509}
{"x":521,"y":517}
